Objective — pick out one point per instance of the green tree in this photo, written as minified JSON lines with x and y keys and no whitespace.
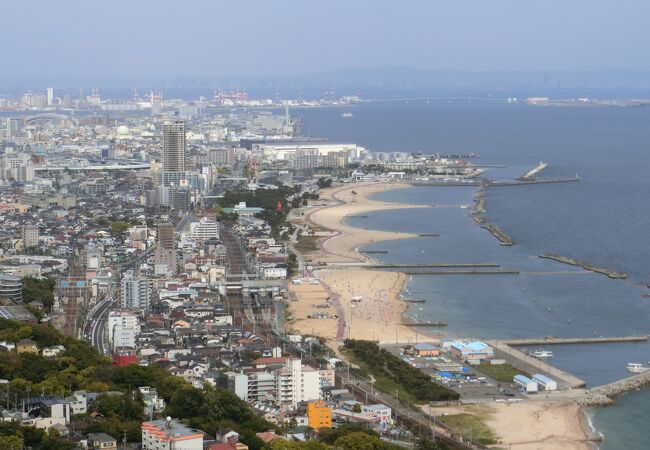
{"x":23,"y":333}
{"x":10,"y":443}
{"x":384,"y":364}
{"x":121,"y":406}
{"x":119,"y":227}
{"x":356,"y":441}
{"x":188,"y":401}
{"x":330,"y":436}
{"x":281,"y":444}
{"x":39,"y":289}
{"x":324,"y":182}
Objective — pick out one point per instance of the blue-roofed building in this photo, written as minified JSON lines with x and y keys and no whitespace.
{"x":547,"y":383}
{"x":525,"y":384}
{"x":471,"y":351}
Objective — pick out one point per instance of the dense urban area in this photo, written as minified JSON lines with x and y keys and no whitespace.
{"x":159,"y":287}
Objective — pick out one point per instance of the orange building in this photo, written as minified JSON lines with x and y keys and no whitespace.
{"x":319,"y":415}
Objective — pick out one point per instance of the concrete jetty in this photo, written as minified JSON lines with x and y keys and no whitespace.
{"x":552,"y":340}
{"x":533,"y":181}
{"x":530,"y":365}
{"x":463,"y":272}
{"x":424,"y":266}
{"x":534,"y":171}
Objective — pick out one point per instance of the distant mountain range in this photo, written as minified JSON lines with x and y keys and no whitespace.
{"x":375,"y":79}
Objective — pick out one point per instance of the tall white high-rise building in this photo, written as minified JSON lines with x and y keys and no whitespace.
{"x":123,"y":329}
{"x":50,"y":96}
{"x":296,"y":383}
{"x":173,"y":146}
{"x":135,"y":293}
{"x":204,"y":229}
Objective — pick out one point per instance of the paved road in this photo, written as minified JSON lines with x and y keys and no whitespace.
{"x":98,"y":320}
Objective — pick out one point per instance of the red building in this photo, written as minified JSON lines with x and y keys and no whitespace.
{"x":124,"y":359}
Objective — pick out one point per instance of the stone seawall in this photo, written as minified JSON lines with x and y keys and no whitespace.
{"x":605,"y":395}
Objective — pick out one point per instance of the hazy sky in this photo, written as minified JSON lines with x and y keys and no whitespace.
{"x":212,"y":38}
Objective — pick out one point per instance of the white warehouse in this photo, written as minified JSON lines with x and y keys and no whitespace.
{"x":545,"y":382}
{"x":525,"y":384}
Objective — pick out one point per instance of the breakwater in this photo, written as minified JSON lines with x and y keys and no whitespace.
{"x":463,"y":272}
{"x":533,"y":181}
{"x":498,"y":233}
{"x":424,"y":266}
{"x":607,"y":394}
{"x":552,"y":340}
{"x":574,"y":262}
{"x":479,"y":201}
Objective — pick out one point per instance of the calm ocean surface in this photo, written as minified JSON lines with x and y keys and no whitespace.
{"x":602,"y":219}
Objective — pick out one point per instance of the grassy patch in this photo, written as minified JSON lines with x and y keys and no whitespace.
{"x":382,"y":383}
{"x":503,"y":373}
{"x":307,"y":244}
{"x":394,"y":375}
{"x":471,"y":425}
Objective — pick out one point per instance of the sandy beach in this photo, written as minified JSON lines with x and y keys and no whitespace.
{"x":352,"y":200}
{"x":366,"y":302}
{"x":539,"y":425}
{"x":530,"y":424}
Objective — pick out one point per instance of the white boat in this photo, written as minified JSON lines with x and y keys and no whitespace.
{"x":346,"y":114}
{"x":542,"y":354}
{"x":637,"y":368}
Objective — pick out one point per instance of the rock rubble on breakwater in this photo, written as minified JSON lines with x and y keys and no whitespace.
{"x":606,"y":394}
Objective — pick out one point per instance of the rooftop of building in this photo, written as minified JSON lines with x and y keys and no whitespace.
{"x":172,"y":429}
{"x":473,"y":346}
{"x":101,"y":437}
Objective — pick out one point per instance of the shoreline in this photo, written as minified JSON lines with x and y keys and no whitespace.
{"x":341,"y":245}
{"x":368,"y":302}
{"x":348,"y":201}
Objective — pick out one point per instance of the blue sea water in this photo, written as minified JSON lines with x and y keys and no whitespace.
{"x":602,"y":219}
